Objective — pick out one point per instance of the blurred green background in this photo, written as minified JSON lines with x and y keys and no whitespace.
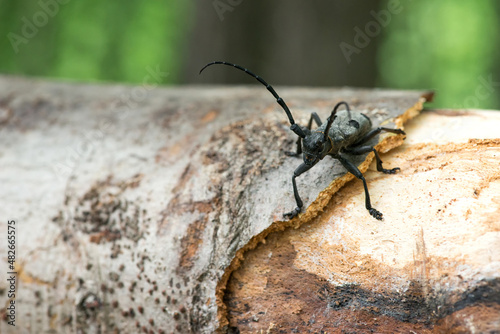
{"x":449,"y":46}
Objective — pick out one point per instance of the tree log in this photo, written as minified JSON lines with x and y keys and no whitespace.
{"x":136,"y":208}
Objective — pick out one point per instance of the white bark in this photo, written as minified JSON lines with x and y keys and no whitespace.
{"x":132,"y":205}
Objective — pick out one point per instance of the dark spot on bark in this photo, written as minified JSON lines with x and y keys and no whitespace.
{"x":104,"y":213}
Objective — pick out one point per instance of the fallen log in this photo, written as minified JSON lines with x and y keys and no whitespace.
{"x":136,"y":208}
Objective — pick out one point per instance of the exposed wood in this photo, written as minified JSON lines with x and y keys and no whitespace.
{"x":432,"y":265}
{"x":133,"y":205}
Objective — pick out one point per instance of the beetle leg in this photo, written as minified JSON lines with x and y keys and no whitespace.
{"x":298,"y":152}
{"x":316,"y":119}
{"x":299,"y":149}
{"x":365,"y":149}
{"x":351,"y":168}
{"x":301,"y":169}
{"x":373,"y":132}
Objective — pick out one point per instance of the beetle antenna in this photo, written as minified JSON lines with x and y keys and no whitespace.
{"x":332,"y":117}
{"x":295,"y":128}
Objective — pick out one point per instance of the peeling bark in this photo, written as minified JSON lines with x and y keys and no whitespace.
{"x":133,"y":211}
{"x":432,"y":265}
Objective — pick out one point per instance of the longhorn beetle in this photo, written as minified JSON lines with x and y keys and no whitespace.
{"x":344,"y":132}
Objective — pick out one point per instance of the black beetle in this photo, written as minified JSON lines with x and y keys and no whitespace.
{"x":344,"y":132}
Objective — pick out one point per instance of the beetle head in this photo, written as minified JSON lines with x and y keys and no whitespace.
{"x":313,"y":146}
